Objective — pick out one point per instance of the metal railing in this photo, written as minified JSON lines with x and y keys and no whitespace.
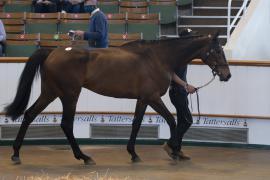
{"x":229,"y":24}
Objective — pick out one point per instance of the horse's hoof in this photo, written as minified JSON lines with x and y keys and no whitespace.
{"x":170,"y":153}
{"x":175,"y":157}
{"x":168,"y":150}
{"x":89,"y":162}
{"x":16,"y":159}
{"x":136,"y":159}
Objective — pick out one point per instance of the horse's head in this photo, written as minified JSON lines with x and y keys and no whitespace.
{"x":213,"y":55}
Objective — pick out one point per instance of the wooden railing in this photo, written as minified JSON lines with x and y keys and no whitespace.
{"x":265,"y":63}
{"x":13,"y":59}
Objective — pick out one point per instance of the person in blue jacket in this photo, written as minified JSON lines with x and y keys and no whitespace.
{"x":97,"y":34}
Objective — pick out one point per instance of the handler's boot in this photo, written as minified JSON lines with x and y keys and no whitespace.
{"x":181,"y":155}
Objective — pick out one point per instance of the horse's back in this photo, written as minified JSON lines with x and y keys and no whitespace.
{"x":65,"y":54}
{"x":66,"y":66}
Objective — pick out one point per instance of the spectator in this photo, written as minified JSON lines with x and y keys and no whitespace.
{"x":2,"y":38}
{"x":45,"y":6}
{"x":97,"y":35}
{"x":72,"y":6}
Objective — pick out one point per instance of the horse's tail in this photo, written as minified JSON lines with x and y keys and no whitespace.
{"x":19,"y":104}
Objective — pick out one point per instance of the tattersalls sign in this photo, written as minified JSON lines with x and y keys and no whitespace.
{"x":221,"y":122}
{"x":128,"y":118}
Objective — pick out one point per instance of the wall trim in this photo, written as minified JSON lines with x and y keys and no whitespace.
{"x":88,"y":141}
{"x":154,"y":113}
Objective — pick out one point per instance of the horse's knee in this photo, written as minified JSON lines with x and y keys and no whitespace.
{"x":28,"y":118}
{"x":136,"y":125}
{"x":66,"y":126}
{"x":187,"y":123}
{"x":63,"y":126}
{"x":172,"y":124}
{"x":173,"y":143}
{"x":130,"y":148}
{"x":130,"y":145}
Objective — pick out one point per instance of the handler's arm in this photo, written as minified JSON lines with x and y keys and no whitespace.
{"x":189,"y":88}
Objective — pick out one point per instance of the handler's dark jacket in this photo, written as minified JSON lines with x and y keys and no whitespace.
{"x":182,"y":74}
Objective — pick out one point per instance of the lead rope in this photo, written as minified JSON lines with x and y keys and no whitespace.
{"x":197,"y":95}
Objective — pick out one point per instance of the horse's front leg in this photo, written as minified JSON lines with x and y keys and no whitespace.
{"x":69,"y":107}
{"x":157,"y":104}
{"x":138,"y":117}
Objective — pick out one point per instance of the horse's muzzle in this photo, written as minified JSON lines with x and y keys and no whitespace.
{"x":225,"y":78}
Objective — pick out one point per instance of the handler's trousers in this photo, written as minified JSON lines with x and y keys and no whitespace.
{"x":184,"y":117}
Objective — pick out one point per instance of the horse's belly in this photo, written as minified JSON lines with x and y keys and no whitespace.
{"x":125,"y":80}
{"x":127,"y":88}
{"x":117,"y":90}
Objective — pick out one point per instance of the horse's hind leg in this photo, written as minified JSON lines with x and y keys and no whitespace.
{"x":69,"y":108}
{"x":138,"y":117}
{"x":29,"y":115}
{"x":158,"y":105}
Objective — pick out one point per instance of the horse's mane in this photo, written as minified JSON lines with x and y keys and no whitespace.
{"x":166,"y":39}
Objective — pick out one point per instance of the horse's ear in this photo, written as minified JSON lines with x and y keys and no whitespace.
{"x":187,"y":32}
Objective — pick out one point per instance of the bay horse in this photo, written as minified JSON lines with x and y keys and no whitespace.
{"x":139,"y":70}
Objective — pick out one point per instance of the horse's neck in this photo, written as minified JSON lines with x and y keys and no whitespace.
{"x":185,"y":51}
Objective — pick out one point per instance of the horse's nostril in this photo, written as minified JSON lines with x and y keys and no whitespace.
{"x":229,"y":76}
